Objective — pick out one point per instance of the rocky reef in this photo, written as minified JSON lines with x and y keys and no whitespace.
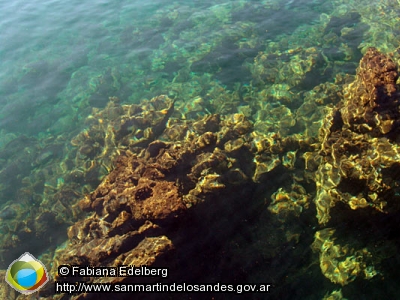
{"x":167,"y":189}
{"x":142,"y":212}
{"x":358,"y":169}
{"x":53,"y":175}
{"x":359,"y":142}
{"x":342,"y":264}
{"x":266,"y":161}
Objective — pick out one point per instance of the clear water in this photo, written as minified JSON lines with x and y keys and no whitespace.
{"x":61,"y":59}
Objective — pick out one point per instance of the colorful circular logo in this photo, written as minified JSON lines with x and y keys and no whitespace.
{"x":27,"y":274}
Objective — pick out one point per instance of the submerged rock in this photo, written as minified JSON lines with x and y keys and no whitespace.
{"x":150,"y":191}
{"x":360,"y":149}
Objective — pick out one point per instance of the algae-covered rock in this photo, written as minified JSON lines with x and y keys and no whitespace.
{"x":151,"y":190}
{"x":360,"y":149}
{"x":371,"y":102}
{"x":341,"y":264}
{"x":293,"y":202}
{"x":292,"y":68}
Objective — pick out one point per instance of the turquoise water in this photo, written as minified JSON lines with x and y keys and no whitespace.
{"x":61,"y":61}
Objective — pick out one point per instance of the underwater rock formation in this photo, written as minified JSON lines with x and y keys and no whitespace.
{"x":150,"y":190}
{"x":259,"y":134}
{"x":341,"y":264}
{"x":284,"y":202}
{"x":42,"y":180}
{"x":360,"y":149}
{"x":31,"y":205}
{"x":287,"y":70}
{"x":371,"y":102}
{"x":152,"y":170}
{"x":121,"y":127}
{"x":154,"y":187}
{"x":310,"y":115}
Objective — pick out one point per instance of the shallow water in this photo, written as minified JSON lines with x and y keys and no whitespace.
{"x":61,"y":61}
